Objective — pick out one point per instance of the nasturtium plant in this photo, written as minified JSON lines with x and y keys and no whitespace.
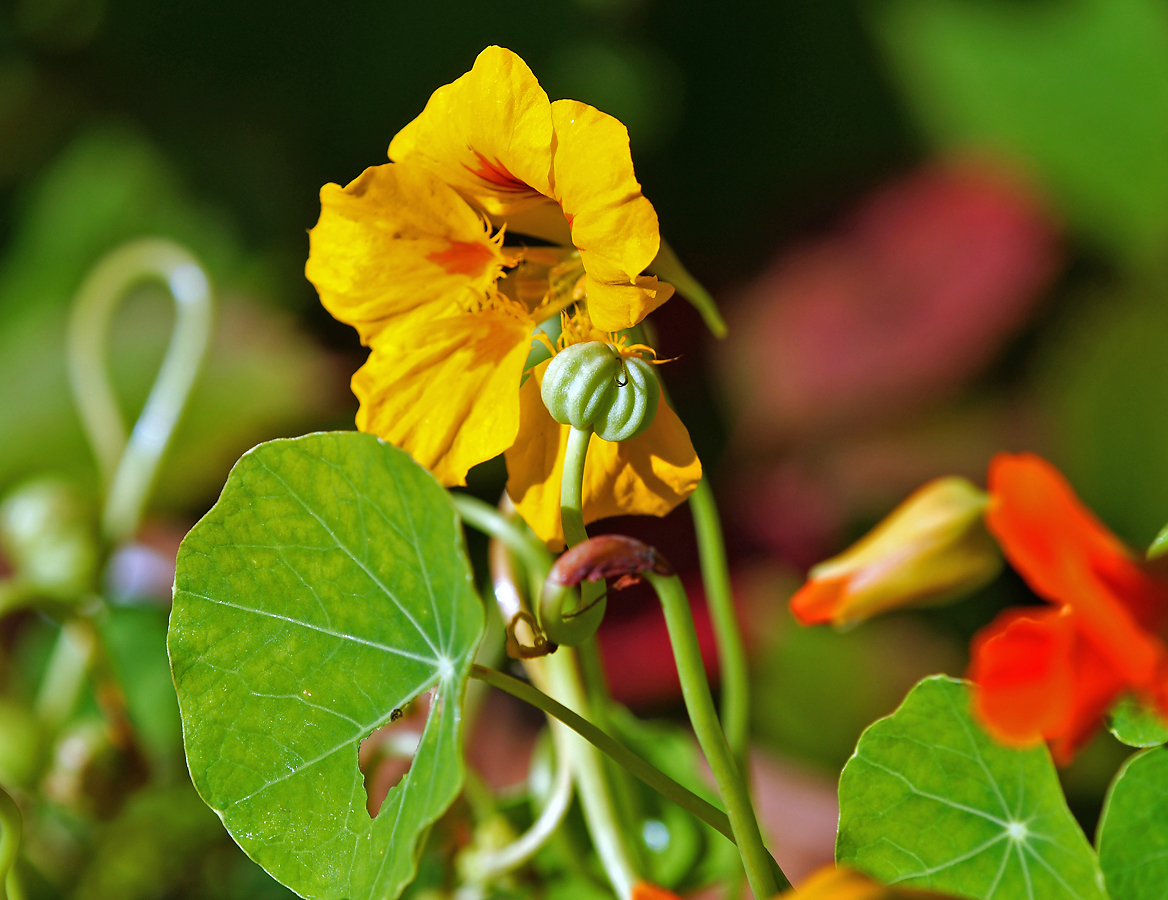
{"x":930,"y":801}
{"x":326,"y":589}
{"x":1135,"y":724}
{"x":1133,"y":831}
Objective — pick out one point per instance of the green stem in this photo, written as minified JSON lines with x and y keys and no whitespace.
{"x":128,"y":467}
{"x":66,"y":673}
{"x":699,"y":703}
{"x":617,"y":751}
{"x":669,"y":267}
{"x":572,"y":512}
{"x":572,"y":486}
{"x":600,"y":813}
{"x":490,"y":521}
{"x":565,"y":621}
{"x":12,"y":825}
{"x":487,"y":866}
{"x":727,"y":633}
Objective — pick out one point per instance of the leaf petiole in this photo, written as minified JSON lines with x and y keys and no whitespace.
{"x":619,"y":753}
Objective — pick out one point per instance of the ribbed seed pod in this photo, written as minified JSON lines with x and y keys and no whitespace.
{"x":591,"y":385}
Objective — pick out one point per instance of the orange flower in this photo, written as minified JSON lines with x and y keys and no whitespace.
{"x":931,"y":548}
{"x":1043,"y":673}
{"x":642,"y":890}
{"x":831,"y":883}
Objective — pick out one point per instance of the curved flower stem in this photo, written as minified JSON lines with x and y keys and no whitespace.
{"x":593,"y":599}
{"x":128,"y":467}
{"x":699,"y":703}
{"x":66,"y":673}
{"x":11,"y":831}
{"x":493,"y":523}
{"x":572,"y":486}
{"x":727,"y":633}
{"x":559,"y":676}
{"x":619,"y":753}
{"x":489,"y":866}
{"x":596,"y":798}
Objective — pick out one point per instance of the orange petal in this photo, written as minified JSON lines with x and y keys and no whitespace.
{"x":1038,"y":674}
{"x":819,"y":600}
{"x":838,"y":883}
{"x":1069,"y":558}
{"x":1021,"y":667}
{"x":642,"y":890}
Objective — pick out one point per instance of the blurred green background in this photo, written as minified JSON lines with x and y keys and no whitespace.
{"x":938,"y":228}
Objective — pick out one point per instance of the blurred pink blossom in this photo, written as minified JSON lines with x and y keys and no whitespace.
{"x":907,"y":298}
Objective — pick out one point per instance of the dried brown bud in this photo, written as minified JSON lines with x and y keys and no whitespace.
{"x":607,"y":556}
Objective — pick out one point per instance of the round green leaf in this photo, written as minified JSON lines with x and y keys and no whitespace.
{"x":1133,"y":830}
{"x":328,"y":587}
{"x":1136,"y":725}
{"x":930,"y":801}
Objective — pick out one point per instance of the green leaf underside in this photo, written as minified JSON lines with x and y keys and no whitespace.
{"x":930,"y":801}
{"x":327,"y":587}
{"x":1136,"y":725}
{"x":1133,"y":830}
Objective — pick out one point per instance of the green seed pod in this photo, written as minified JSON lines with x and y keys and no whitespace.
{"x":590,"y":385}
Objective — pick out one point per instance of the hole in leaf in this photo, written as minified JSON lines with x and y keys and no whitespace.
{"x":385,"y":756}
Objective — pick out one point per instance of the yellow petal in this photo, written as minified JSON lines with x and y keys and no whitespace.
{"x":488,"y":134}
{"x":394,"y":243}
{"x":446,"y":391}
{"x":613,"y":225}
{"x":649,"y":475}
{"x":931,"y":548}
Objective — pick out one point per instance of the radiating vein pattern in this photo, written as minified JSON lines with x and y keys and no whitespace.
{"x":930,"y":801}
{"x":326,"y":588}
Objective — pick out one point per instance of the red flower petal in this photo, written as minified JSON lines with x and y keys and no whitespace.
{"x":1069,"y":558}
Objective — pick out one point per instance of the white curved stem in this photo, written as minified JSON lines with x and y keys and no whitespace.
{"x":128,"y":467}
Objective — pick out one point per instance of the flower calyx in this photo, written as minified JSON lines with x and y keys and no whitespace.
{"x":594,"y":385}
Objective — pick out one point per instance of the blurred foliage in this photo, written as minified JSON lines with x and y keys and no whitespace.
{"x":1077,"y":91}
{"x":1104,"y":377}
{"x":261,"y":378}
{"x":752,"y":124}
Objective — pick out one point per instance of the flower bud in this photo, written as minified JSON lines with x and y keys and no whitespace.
{"x":932,"y":548}
{"x":591,"y":385}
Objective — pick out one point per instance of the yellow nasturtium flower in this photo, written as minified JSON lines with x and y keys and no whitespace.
{"x":425,"y":256}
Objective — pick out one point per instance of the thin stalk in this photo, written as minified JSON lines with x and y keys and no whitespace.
{"x":572,"y":521}
{"x":572,"y":486}
{"x":595,"y":792}
{"x":66,"y":673}
{"x":593,"y":599}
{"x":493,"y":523}
{"x":488,"y":866}
{"x":128,"y":467}
{"x":558,"y":675}
{"x":727,"y":633}
{"x":11,"y":831}
{"x":615,"y":750}
{"x":699,"y":703}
